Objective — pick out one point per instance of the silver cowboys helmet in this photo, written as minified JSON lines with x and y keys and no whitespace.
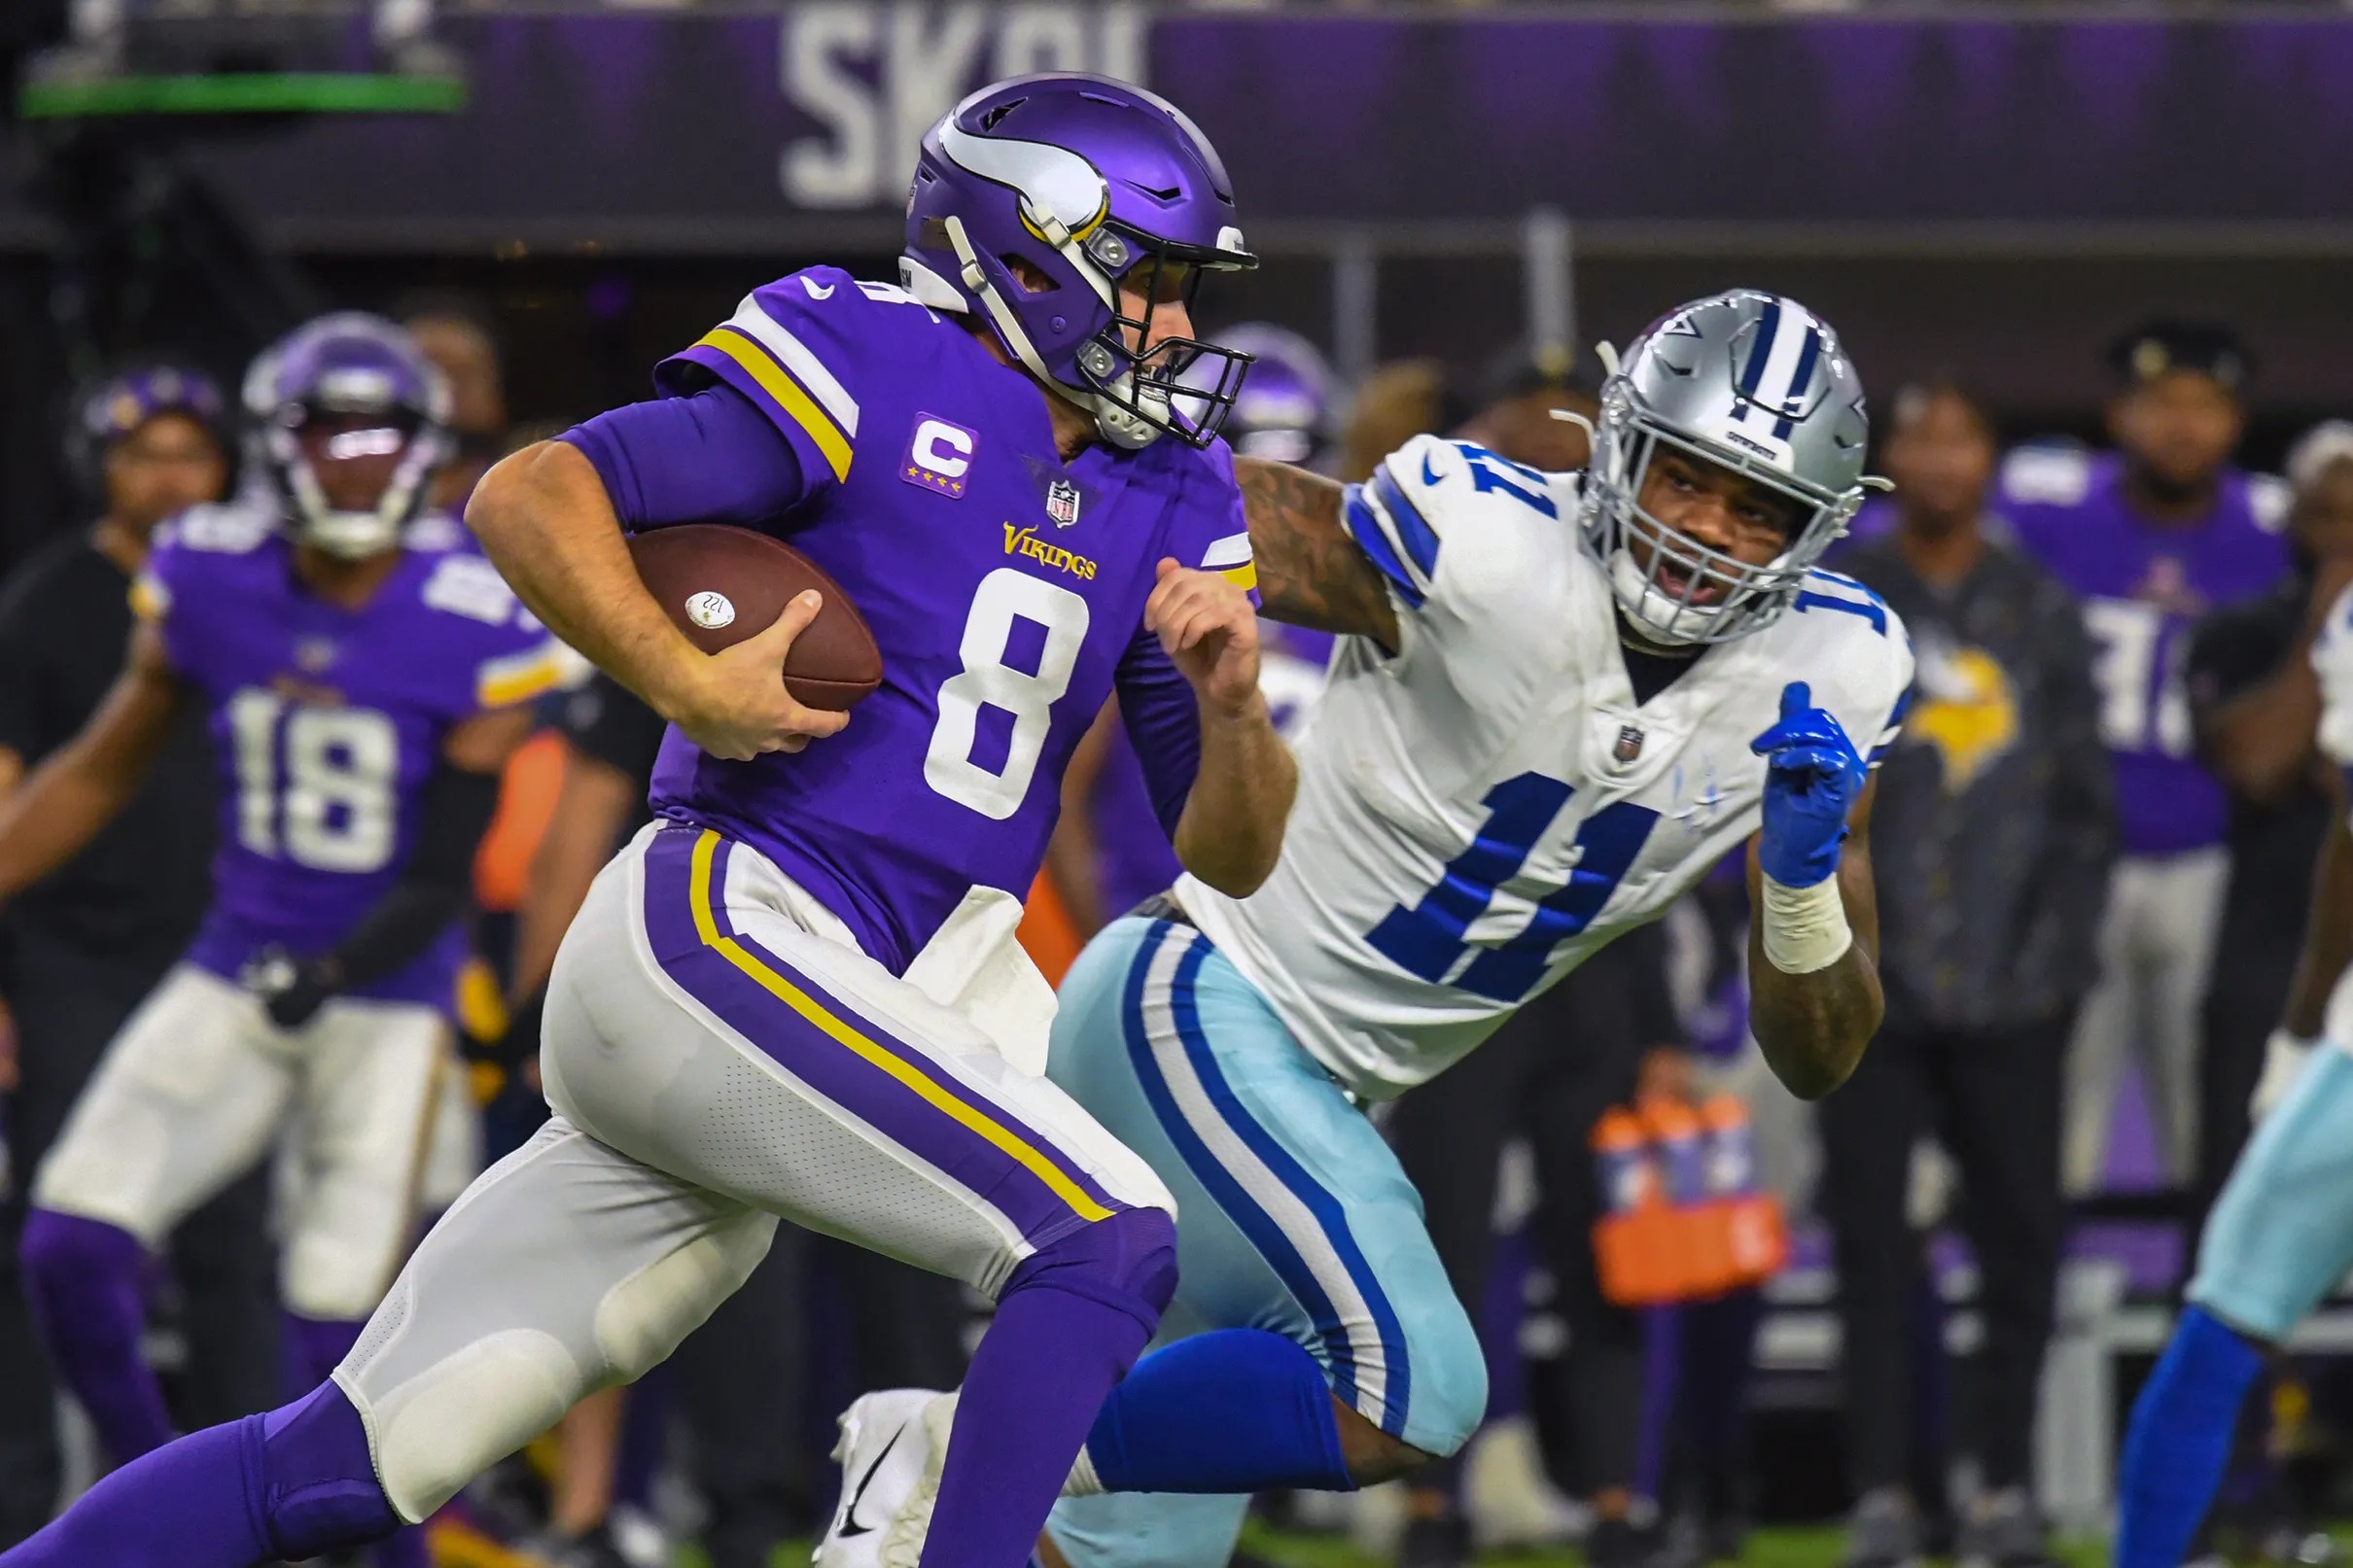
{"x":1751,"y":382}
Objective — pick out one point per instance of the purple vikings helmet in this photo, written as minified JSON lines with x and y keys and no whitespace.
{"x":1285,"y":410}
{"x":1089,"y":182}
{"x":350,"y":420}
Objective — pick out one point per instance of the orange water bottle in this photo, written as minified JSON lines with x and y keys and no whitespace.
{"x":1753,"y":1234}
{"x":1701,"y":1267}
{"x":1637,"y":1265}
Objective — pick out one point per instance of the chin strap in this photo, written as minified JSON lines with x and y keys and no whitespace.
{"x":1116,"y":423}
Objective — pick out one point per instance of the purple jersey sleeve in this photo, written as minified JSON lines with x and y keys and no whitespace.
{"x":792,"y":349}
{"x":170,"y":592}
{"x":1164,"y":726}
{"x":709,"y":457}
{"x":1206,"y":528}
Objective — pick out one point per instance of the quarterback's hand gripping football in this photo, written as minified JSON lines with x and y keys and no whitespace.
{"x":739,"y":708}
{"x":1210,"y":633}
{"x":1813,"y":779}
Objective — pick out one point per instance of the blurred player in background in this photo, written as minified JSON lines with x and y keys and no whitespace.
{"x":800,"y":993}
{"x":80,"y":951}
{"x":2281,"y":1235}
{"x":1531,"y":742}
{"x":1108,"y":854}
{"x":2148,"y":538}
{"x":1517,"y":405}
{"x":361,"y":698}
{"x":456,"y":335}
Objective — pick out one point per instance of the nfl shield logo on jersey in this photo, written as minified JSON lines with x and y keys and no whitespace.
{"x":1629,"y":744}
{"x":1062,"y":503}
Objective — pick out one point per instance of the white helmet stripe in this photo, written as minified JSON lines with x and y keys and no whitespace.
{"x":1054,"y":181}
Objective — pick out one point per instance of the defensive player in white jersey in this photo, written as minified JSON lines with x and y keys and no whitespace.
{"x":1558,"y":703}
{"x":2281,"y":1233}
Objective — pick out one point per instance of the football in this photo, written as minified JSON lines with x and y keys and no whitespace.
{"x":721,"y":585}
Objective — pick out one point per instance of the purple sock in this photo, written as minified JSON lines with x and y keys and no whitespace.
{"x":82,"y":1279}
{"x":293,"y":1483}
{"x":1071,"y":1323}
{"x":313,"y":1348}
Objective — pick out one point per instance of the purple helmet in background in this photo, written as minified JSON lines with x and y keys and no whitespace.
{"x":1087,"y":181}
{"x":1285,"y":411}
{"x":349,"y":396}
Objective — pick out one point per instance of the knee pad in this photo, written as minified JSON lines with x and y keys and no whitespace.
{"x":1128,"y":1260}
{"x":319,"y":1486}
{"x":61,"y":1249}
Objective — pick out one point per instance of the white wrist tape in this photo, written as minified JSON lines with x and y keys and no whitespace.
{"x":1805,"y":927}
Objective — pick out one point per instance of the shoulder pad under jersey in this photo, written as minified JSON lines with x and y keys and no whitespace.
{"x":468,"y":585}
{"x":229,"y":528}
{"x":1435,"y":500}
{"x":2045,"y":474}
{"x":800,"y":349}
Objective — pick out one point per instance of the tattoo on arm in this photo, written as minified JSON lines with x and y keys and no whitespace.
{"x":1311,"y":572}
{"x":1813,"y":1028}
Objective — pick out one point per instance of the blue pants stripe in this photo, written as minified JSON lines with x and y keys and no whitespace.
{"x":1387,"y":1405}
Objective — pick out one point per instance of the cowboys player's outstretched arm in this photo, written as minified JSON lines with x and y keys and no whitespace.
{"x":78,"y":787}
{"x":1813,"y":940}
{"x":1310,"y":570}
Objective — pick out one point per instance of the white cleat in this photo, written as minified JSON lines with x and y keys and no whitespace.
{"x":888,"y":1460}
{"x":910,"y":1525}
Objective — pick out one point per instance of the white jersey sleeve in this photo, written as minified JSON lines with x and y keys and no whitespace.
{"x":1467,"y":542}
{"x":2332,"y":663}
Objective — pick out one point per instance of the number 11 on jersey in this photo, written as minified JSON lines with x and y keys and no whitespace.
{"x":1430,"y":939}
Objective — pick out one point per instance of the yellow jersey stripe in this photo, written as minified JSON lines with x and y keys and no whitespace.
{"x":1243,"y":576}
{"x":800,"y":363}
{"x":706,"y":926}
{"x":770,"y":377}
{"x":519,"y":677}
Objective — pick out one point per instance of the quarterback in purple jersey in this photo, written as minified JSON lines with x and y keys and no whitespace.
{"x":363,"y":697}
{"x":798,"y":993}
{"x":2150,"y":536}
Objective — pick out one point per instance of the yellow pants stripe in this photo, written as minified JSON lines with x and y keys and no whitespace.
{"x":706,"y":926}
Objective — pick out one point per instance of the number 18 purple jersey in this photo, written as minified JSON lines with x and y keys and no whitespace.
{"x":327,"y":722}
{"x":1004,"y":588}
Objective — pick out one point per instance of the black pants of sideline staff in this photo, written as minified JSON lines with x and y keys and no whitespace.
{"x":68,"y":1004}
{"x":1992,"y":1099}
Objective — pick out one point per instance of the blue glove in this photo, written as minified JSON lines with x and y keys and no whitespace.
{"x":1812,"y":775}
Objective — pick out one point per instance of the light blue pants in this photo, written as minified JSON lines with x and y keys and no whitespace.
{"x":2282,"y":1231}
{"x":1291,"y":1215}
